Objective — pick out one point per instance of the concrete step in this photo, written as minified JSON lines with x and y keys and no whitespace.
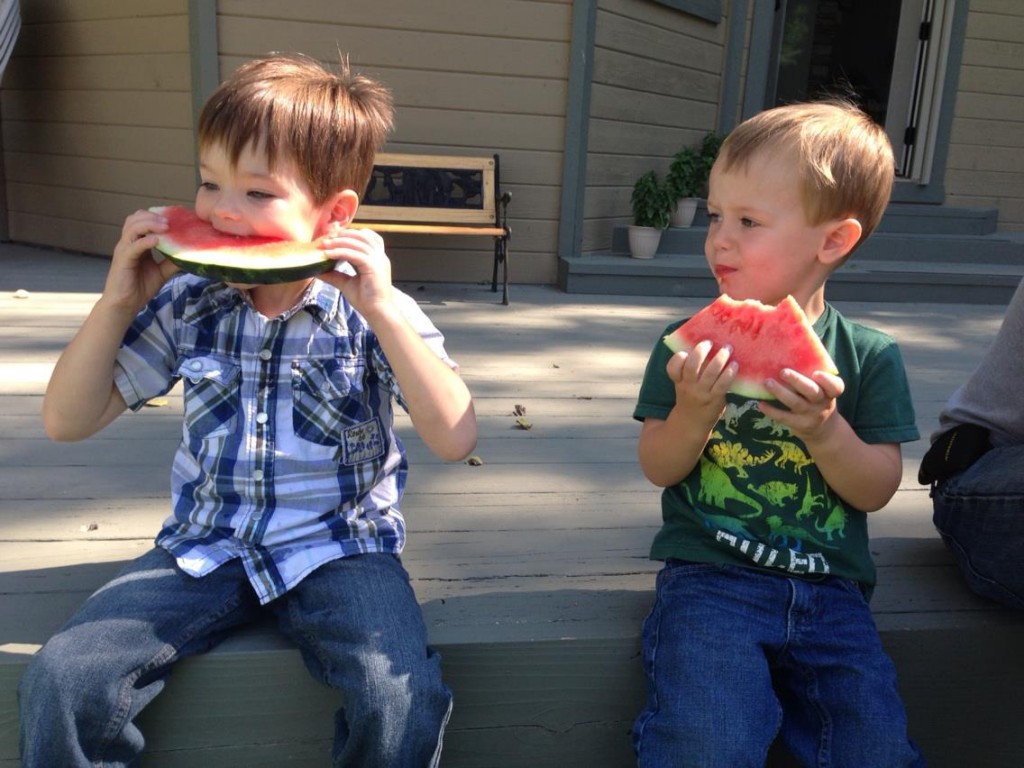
{"x":916,"y":219}
{"x":891,"y":266}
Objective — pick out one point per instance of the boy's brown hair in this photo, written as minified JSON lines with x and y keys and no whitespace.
{"x":331,"y":125}
{"x":844,"y":159}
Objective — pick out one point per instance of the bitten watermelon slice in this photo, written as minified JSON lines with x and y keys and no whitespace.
{"x":196,"y":247}
{"x":764,"y":340}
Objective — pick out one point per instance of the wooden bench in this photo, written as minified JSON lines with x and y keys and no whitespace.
{"x":440,"y":195}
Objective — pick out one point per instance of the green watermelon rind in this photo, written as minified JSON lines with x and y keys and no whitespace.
{"x":248,"y":275}
{"x":244,"y":265}
{"x":746,"y":386}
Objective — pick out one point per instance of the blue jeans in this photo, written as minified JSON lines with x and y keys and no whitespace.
{"x":735,"y":657}
{"x":355,"y":620}
{"x":980,"y":515}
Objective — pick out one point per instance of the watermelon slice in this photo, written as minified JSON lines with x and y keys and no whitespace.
{"x":196,"y":247}
{"x":764,"y":340}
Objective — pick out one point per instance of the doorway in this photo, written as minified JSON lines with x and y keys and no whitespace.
{"x":886,"y":55}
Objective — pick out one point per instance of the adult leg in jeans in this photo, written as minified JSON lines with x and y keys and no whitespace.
{"x":980,"y":514}
{"x":82,"y":691}
{"x":361,"y":631}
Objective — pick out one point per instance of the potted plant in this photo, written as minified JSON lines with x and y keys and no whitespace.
{"x":652,"y":206}
{"x":687,"y":178}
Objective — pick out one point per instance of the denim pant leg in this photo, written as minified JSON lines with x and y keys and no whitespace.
{"x":837,"y":685}
{"x":710,"y":702}
{"x":82,"y":691}
{"x":980,"y":515}
{"x":360,"y":630}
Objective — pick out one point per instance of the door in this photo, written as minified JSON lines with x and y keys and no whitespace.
{"x":886,"y":55}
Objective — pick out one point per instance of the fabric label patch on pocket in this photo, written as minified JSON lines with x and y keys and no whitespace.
{"x":362,"y":442}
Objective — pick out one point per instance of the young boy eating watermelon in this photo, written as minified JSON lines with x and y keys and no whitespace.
{"x":287,"y":481}
{"x":760,"y":627}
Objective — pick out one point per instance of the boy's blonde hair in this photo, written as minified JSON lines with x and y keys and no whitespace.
{"x":844,"y":159}
{"x":331,"y":125}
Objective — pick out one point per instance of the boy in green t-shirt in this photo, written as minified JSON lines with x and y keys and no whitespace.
{"x":760,"y":626}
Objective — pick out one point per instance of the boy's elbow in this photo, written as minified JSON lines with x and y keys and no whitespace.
{"x":58,"y":432}
{"x":459,"y":441}
{"x":458,"y":448}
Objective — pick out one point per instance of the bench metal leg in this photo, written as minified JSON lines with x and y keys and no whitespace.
{"x":501,"y":255}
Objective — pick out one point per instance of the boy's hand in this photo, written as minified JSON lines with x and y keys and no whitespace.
{"x":135,"y":276}
{"x":369,"y":289}
{"x":811,"y":402}
{"x":701,"y":382}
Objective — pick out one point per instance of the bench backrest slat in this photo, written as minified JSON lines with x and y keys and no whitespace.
{"x":484,"y":214}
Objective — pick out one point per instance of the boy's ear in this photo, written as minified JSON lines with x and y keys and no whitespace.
{"x":840,"y":238}
{"x":346,"y":203}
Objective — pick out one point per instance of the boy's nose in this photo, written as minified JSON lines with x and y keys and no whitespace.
{"x":225,"y":208}
{"x":718,"y":237}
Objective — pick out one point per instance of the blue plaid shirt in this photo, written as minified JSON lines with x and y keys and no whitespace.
{"x":288,"y":456}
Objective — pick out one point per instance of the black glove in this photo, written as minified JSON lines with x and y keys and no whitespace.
{"x":953,"y":452}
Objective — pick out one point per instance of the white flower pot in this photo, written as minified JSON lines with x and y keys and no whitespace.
{"x":683,"y":211}
{"x":643,"y":241}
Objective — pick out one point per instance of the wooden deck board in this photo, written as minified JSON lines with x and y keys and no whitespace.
{"x":542,"y":545}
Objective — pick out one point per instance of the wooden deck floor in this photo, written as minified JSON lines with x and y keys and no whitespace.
{"x":546,"y":540}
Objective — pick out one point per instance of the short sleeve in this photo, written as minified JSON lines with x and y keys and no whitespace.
{"x":657,"y":395}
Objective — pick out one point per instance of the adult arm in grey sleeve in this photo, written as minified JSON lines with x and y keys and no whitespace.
{"x":993,"y":396}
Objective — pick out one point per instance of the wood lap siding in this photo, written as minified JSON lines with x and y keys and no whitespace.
{"x":97,"y":118}
{"x":470,"y":77}
{"x":656,"y":82}
{"x":986,"y":153}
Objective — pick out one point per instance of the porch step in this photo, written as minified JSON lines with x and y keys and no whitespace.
{"x":920,"y":254}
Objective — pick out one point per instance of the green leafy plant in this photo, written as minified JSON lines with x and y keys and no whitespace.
{"x":651,"y":201}
{"x":690,"y":167}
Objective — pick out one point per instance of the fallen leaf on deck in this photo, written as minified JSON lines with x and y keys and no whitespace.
{"x":519,"y":410}
{"x":475,"y":461}
{"x":523,"y":423}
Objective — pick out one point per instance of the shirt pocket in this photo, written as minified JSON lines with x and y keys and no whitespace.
{"x":211,"y":395}
{"x":331,"y":407}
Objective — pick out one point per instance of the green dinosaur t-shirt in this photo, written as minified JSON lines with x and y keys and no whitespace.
{"x":756,"y":497}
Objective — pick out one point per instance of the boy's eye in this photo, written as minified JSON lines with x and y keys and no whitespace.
{"x":258,"y":195}
{"x":209,"y":186}
{"x":713,"y":217}
{"x":745,"y":222}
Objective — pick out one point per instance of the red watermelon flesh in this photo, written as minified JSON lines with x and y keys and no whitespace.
{"x":764,"y":340}
{"x":195,"y":246}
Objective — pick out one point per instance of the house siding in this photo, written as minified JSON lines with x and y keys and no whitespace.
{"x":97,"y":118}
{"x":469,"y":78}
{"x":656,"y":83}
{"x":97,"y":108}
{"x":985,"y":168}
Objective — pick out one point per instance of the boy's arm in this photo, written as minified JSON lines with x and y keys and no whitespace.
{"x":669,"y":449}
{"x":81,"y":397}
{"x":439,"y":402}
{"x":865,"y":475}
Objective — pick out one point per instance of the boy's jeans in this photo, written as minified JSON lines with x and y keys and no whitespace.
{"x":355,"y":620}
{"x":734,"y":656}
{"x":980,"y":514}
